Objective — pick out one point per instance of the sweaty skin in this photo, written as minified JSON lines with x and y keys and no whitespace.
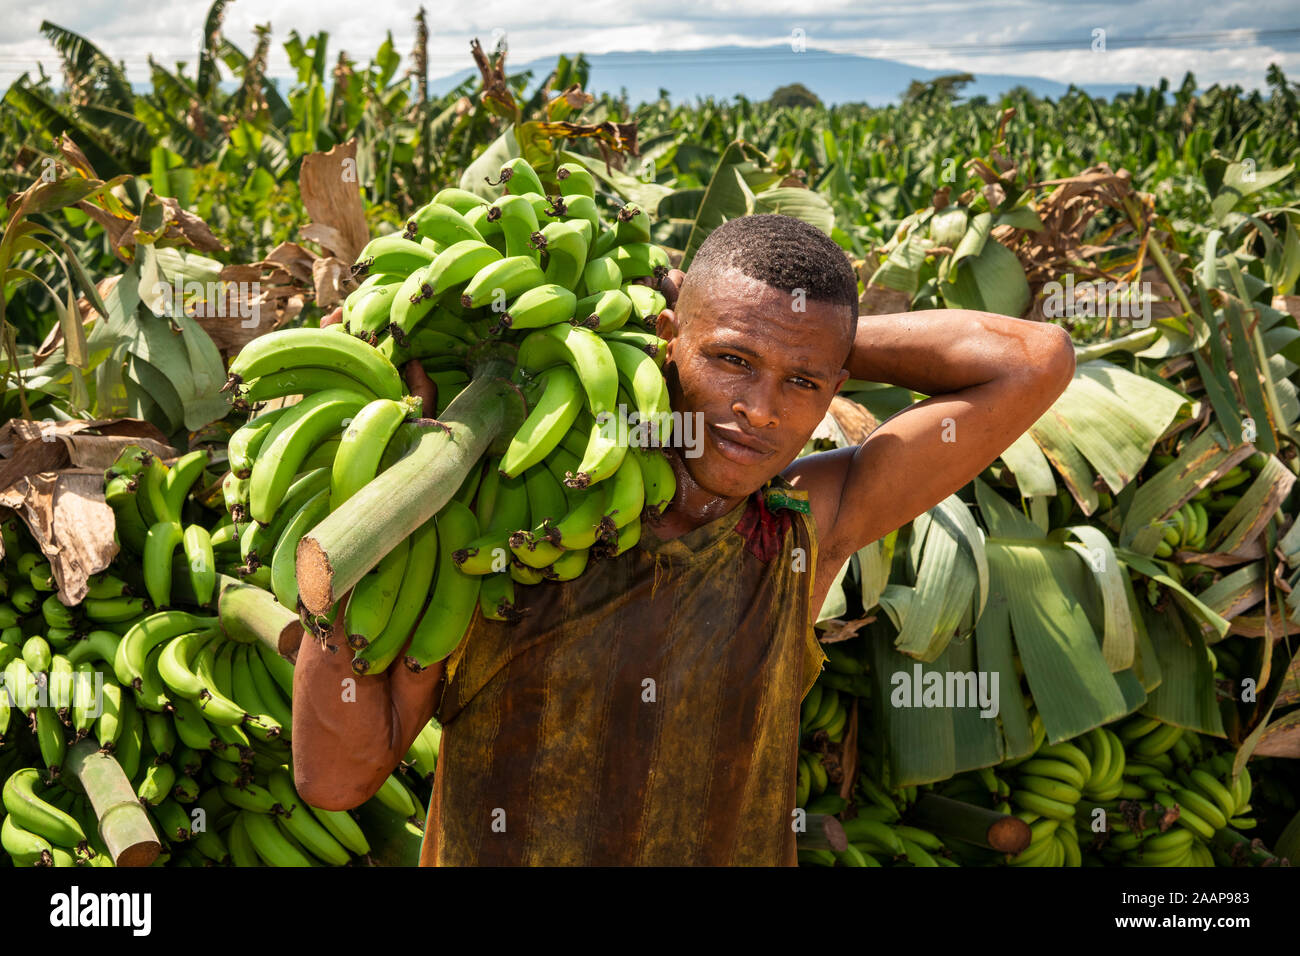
{"x":760,"y":373}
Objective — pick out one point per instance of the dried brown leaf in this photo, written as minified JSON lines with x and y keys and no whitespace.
{"x":332,"y":197}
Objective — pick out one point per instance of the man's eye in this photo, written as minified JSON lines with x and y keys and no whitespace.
{"x":734,"y":359}
{"x":803,"y":382}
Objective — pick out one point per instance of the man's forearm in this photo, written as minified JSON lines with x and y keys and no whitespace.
{"x":938,"y":351}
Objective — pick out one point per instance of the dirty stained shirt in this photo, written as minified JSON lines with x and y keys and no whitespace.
{"x":645,"y":713}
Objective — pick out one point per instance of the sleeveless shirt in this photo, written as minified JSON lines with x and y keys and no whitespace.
{"x":644,"y":713}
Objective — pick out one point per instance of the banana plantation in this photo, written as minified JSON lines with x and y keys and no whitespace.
{"x":204,"y":462}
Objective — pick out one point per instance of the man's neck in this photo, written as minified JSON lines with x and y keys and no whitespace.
{"x":691,"y":506}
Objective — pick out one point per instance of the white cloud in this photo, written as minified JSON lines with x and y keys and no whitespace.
{"x":937,"y":34}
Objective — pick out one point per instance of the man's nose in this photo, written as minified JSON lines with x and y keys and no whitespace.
{"x":759,"y":404}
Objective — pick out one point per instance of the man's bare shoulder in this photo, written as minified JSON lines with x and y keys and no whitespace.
{"x":822,"y":475}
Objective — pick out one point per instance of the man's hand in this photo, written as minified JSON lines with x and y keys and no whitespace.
{"x":671,"y":284}
{"x":419,"y":383}
{"x":334,"y":318}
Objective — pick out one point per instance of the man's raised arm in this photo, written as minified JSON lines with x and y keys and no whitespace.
{"x":989,"y":377}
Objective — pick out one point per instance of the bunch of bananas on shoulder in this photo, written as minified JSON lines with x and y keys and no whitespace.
{"x":543,"y":272}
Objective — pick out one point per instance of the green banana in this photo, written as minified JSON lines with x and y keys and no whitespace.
{"x":461,"y":200}
{"x":245,"y":691}
{"x":157,"y":784}
{"x":496,"y":598}
{"x":57,"y":614}
{"x":647,"y":342}
{"x":367,"y":313}
{"x":547,"y":422}
{"x":181,"y":478}
{"x":632,"y":225}
{"x":1050,"y":788}
{"x":293,"y":437}
{"x":411,"y":304}
{"x":518,"y":223}
{"x":518,"y":177}
{"x":298,"y":820}
{"x":645,"y":383}
{"x":391,"y":253}
{"x":26,"y":848}
{"x":270,"y":842}
{"x":281,"y":671}
{"x":202,"y":563}
{"x":647,"y":303}
{"x":37,"y":815}
{"x":575,"y":180}
{"x":540,"y":306}
{"x":152,"y":502}
{"x":343,"y":828}
{"x":503,"y":509}
{"x":373,"y":597}
{"x":412,"y":594}
{"x":602,"y":274}
{"x":363,"y":443}
{"x":130,"y":651}
{"x":459,"y":263}
{"x":603,"y":312}
{"x":1055,"y":770}
{"x":50,"y":740}
{"x":160,"y":543}
{"x":120,"y":495}
{"x":247,"y":440}
{"x":454,"y":595}
{"x":565,"y":244}
{"x":584,"y":521}
{"x":441,"y":223}
{"x":500,"y":281}
{"x":284,"y":580}
{"x":269,"y":693}
{"x":188,"y":679}
{"x":304,"y":347}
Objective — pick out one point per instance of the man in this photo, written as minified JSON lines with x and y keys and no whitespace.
{"x":647,"y":712}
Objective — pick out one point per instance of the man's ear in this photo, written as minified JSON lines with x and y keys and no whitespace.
{"x":844,"y":377}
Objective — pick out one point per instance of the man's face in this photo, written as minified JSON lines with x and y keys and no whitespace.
{"x":759,"y":374}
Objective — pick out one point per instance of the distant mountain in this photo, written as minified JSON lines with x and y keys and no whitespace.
{"x":722,"y":72}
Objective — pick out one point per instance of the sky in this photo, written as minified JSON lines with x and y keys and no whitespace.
{"x":1230,"y":41}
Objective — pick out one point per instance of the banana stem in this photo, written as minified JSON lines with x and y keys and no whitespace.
{"x":249,"y":613}
{"x":1242,"y":850}
{"x":123,"y":823}
{"x":338,"y":552}
{"x":823,"y":832}
{"x":965,"y":821}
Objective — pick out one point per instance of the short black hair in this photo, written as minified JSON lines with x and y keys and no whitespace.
{"x":784,"y":253}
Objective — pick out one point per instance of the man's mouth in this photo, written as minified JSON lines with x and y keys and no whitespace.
{"x":735,"y":445}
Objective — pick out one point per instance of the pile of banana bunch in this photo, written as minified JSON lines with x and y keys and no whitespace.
{"x":257,"y":818}
{"x":176,"y":702}
{"x":1174,"y":797}
{"x":878,"y":833}
{"x":170,"y":520}
{"x":1045,"y":788}
{"x":1163,"y":792}
{"x":879,"y":830}
{"x":195,"y":720}
{"x":46,"y":824}
{"x":575,"y":479}
{"x":825,"y":708}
